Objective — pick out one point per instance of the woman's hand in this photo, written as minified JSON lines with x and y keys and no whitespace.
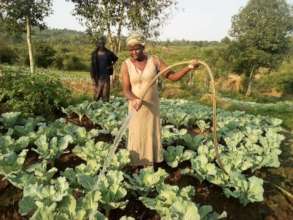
{"x":194,"y":64}
{"x":136,"y":104}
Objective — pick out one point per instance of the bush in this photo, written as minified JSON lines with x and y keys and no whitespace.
{"x":7,"y":54}
{"x":32,"y":93}
{"x":73,"y":63}
{"x":282,"y":80}
{"x":58,"y":62}
{"x":44,"y":55}
{"x":69,"y":62}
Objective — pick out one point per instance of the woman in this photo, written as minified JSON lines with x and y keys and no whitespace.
{"x":144,"y":137}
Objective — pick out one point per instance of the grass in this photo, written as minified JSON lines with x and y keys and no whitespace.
{"x":286,"y":114}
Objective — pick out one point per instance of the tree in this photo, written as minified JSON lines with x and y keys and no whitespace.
{"x":261,"y":33}
{"x":21,"y":15}
{"x":111,"y":17}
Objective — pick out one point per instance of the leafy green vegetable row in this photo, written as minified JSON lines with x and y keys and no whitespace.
{"x":77,"y":193}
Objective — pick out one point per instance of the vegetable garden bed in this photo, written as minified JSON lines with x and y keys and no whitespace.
{"x":50,"y":169}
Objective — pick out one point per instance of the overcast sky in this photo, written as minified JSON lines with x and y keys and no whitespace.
{"x":193,"y":19}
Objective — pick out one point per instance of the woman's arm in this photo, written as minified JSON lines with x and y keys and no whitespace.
{"x":126,"y":85}
{"x":174,"y":76}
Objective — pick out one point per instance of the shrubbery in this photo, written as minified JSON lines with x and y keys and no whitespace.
{"x":73,"y":63}
{"x":7,"y":54}
{"x":69,"y":62}
{"x":47,"y":56}
{"x":44,"y":55}
{"x":282,"y":80}
{"x":32,"y":93}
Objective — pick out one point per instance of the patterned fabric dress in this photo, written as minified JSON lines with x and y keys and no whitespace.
{"x":144,"y":137}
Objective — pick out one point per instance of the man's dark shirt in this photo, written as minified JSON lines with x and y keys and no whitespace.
{"x":102,"y":66}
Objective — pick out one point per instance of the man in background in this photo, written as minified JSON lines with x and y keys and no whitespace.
{"x":102,"y":62}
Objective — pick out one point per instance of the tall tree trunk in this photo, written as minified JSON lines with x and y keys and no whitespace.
{"x":108,"y":29}
{"x":29,"y":44}
{"x":117,"y":40}
{"x":121,"y":9}
{"x":251,"y":76}
{"x":110,"y":38}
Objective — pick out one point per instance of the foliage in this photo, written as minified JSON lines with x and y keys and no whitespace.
{"x":112,"y":190}
{"x":19,"y":14}
{"x":7,"y":54}
{"x":15,"y":12}
{"x":173,"y":203}
{"x":49,"y":149}
{"x":281,"y":80}
{"x":176,"y":154}
{"x":147,"y":180}
{"x":261,"y":31}
{"x":96,"y":153}
{"x":73,"y":63}
{"x":44,"y":55}
{"x":111,"y":17}
{"x":44,"y":194}
{"x":38,"y":94}
{"x":246,"y":143}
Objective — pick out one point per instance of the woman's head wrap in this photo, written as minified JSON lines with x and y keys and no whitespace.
{"x":135,"y":39}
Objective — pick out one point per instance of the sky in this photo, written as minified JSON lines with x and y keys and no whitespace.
{"x":192,"y":20}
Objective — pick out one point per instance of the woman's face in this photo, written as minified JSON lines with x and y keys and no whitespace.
{"x":136,"y":52}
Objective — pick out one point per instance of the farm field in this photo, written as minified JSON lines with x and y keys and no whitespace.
{"x":226,"y":110}
{"x":50,"y":167}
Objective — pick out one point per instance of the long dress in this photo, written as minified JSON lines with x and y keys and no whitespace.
{"x":144,"y":136}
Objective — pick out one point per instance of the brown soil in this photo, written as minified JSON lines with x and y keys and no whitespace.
{"x":67,"y":160}
{"x":10,"y":213}
{"x":84,"y":122}
{"x":3,"y":183}
{"x":136,"y":209}
{"x":9,"y":197}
